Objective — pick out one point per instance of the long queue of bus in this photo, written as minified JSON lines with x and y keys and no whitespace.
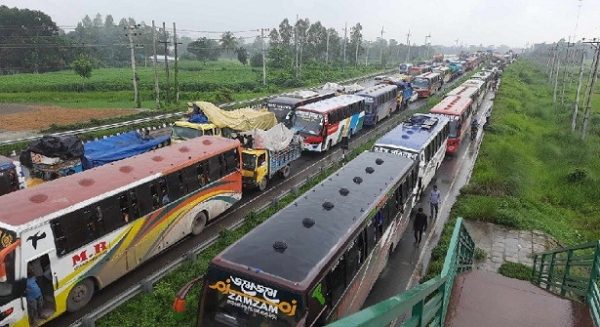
{"x":77,"y":234}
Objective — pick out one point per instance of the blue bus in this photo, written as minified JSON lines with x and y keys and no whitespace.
{"x":380,"y":102}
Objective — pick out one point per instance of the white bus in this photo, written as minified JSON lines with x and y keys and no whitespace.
{"x":423,"y":138}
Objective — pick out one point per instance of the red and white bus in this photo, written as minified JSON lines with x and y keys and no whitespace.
{"x":322,"y":124}
{"x":427,"y":84}
{"x":79,"y":233}
{"x":317,"y":259}
{"x":460,"y":111}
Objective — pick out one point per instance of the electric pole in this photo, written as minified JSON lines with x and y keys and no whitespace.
{"x":426,"y":48}
{"x":356,"y":53}
{"x":565,"y":72}
{"x":367,"y":56}
{"x":576,"y":108}
{"x":156,"y":86}
{"x":130,"y":33}
{"x":327,"y":50}
{"x":556,"y":81}
{"x":264,"y":60}
{"x":588,"y":107}
{"x":166,"y":43}
{"x":408,"y":43}
{"x":296,"y":44}
{"x":382,"y":46}
{"x":175,"y":43}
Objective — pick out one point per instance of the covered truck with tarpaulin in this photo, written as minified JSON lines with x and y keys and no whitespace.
{"x":118,"y":147}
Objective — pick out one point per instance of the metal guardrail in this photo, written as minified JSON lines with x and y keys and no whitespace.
{"x":169,"y":115}
{"x":425,"y":304}
{"x":572,"y":272}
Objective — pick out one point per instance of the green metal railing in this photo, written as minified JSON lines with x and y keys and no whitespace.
{"x":425,"y":304}
{"x":572,"y":273}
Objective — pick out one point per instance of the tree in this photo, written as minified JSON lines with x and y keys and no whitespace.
{"x":228,"y":42}
{"x":82,"y":67}
{"x":355,"y":41}
{"x":242,"y":55}
{"x":204,"y":49}
{"x":256,"y":60}
{"x":316,"y":42}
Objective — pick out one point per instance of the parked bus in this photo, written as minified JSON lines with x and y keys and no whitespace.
{"x":467,"y":91}
{"x":79,"y":233}
{"x":422,"y":138}
{"x":282,"y":106}
{"x":380,"y":102}
{"x":404,"y":68}
{"x":427,"y":84}
{"x":317,"y":259}
{"x":444,"y":72}
{"x":324,"y":123}
{"x":460,"y":111}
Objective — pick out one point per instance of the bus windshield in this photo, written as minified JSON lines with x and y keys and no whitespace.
{"x":231,"y":300}
{"x":422,"y":83}
{"x":308,"y":122}
{"x":454,"y":128}
{"x":185,"y":133}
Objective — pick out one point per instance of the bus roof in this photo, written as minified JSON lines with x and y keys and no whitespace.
{"x":59,"y":196}
{"x":327,"y":105}
{"x":428,"y":75}
{"x":311,"y":233}
{"x":301,"y":96}
{"x":474,"y":82}
{"x":413,"y":134}
{"x":464,"y":91}
{"x":452,"y":105}
{"x":376,"y":90}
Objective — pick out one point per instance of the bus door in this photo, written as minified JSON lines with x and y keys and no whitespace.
{"x":40,"y":253}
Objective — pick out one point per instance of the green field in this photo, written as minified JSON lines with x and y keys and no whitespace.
{"x":112,"y":87}
{"x":532,"y":171}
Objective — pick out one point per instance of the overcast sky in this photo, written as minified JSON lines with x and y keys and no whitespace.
{"x":511,"y":22}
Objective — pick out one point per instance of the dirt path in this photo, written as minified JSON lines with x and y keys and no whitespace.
{"x":18,"y":117}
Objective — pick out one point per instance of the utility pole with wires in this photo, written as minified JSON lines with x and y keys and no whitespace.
{"x":175,"y":68}
{"x":131,"y":32}
{"x":296,"y":46}
{"x":556,"y":81}
{"x":576,"y":108}
{"x":155,"y":62}
{"x":356,"y":53}
{"x":367,"y":54}
{"x":166,"y":43}
{"x":594,"y":78}
{"x":264,"y":59}
{"x":382,"y":46}
{"x":427,"y":37}
{"x":408,"y":44}
{"x":565,"y":72}
{"x":553,"y":62}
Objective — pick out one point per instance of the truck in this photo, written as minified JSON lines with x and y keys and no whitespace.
{"x":268,"y":154}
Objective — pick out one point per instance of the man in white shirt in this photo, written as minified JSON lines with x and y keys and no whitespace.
{"x":434,"y":201}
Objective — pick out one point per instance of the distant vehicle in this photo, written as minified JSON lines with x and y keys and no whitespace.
{"x":460,"y":111}
{"x":404,"y":68}
{"x":317,"y":259}
{"x":438,"y":57}
{"x":9,"y":176}
{"x":283,"y":106}
{"x":380,"y":102}
{"x":415,"y":70}
{"x":323,"y":124}
{"x":86,"y":230}
{"x":185,"y":130}
{"x":422,"y":138}
{"x":456,"y":68}
{"x":267,"y":156}
{"x":467,"y":91}
{"x":481,"y":89}
{"x":444,"y":72}
{"x":427,"y":84}
{"x":379,"y":77}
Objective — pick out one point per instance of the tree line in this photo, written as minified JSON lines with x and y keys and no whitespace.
{"x":31,"y":42}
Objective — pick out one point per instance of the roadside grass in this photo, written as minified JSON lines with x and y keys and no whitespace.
{"x":515,"y":270}
{"x":531,"y":172}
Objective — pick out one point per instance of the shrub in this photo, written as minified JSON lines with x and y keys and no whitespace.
{"x":515,"y":270}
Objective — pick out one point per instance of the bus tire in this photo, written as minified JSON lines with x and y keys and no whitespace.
{"x":262,"y":185}
{"x":285,"y":172}
{"x":199,"y":223}
{"x":80,"y":295}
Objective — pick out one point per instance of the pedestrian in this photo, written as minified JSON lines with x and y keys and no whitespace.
{"x":419,"y":225}
{"x":35,"y":300}
{"x":434,"y":201}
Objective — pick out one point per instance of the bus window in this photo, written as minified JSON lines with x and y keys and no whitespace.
{"x":214,"y":170}
{"x":175,"y":186}
{"x":59,"y":237}
{"x":232,"y":160}
{"x":111,"y":213}
{"x":336,"y":283}
{"x":191,"y":179}
{"x":155,"y":196}
{"x":124,"y":208}
{"x":94,"y":224}
{"x":353,"y":260}
{"x":145,"y":199}
{"x":134,"y":208}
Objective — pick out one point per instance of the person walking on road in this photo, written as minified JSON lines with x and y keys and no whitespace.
{"x":420,"y":225}
{"x":434,"y":201}
{"x":35,"y":300}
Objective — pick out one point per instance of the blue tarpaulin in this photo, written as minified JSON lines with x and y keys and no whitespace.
{"x":198,"y":119}
{"x":101,"y":152}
